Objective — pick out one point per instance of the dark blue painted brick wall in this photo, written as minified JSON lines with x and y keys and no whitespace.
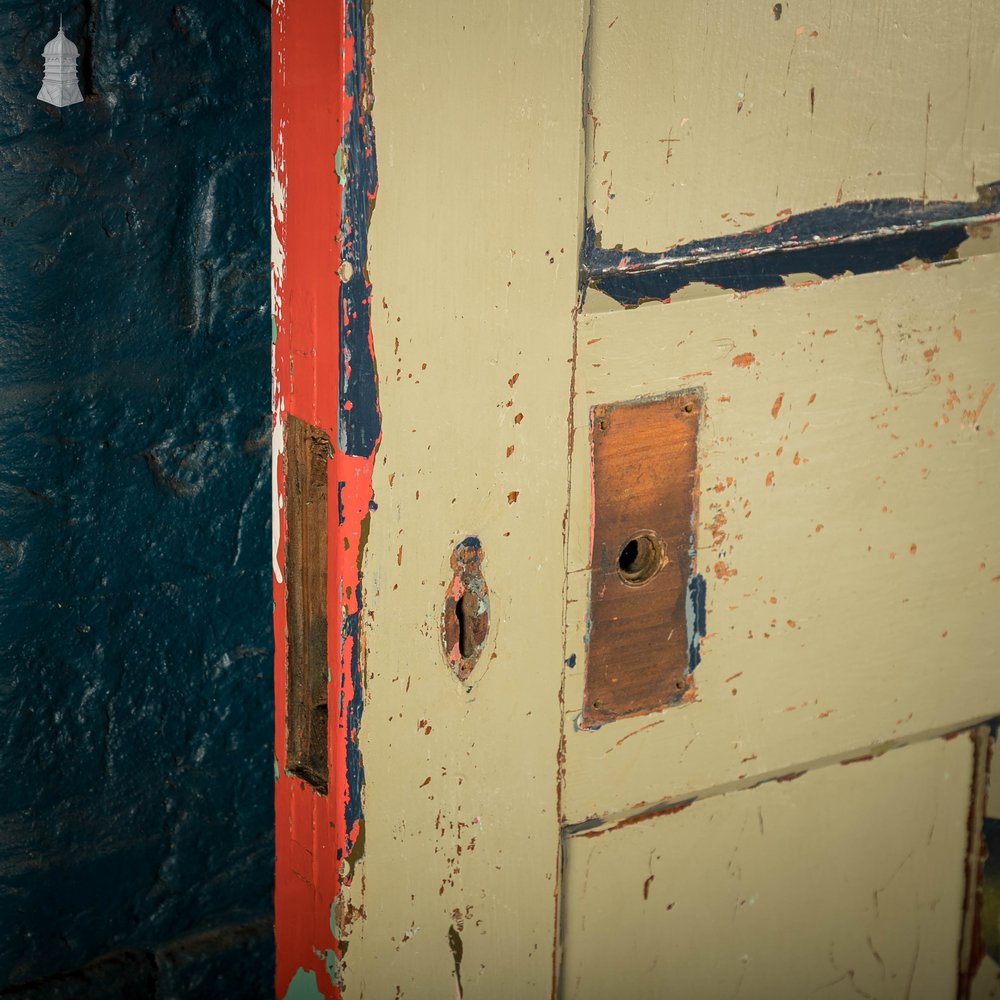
{"x":135,"y":760}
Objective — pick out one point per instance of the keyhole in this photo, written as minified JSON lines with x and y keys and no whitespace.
{"x":464,"y":613}
{"x":641,"y":558}
{"x":465,"y":618}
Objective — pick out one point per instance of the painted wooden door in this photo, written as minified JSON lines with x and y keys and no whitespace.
{"x":635,"y":540}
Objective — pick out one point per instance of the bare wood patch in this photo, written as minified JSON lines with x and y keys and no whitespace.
{"x":645,"y":477}
{"x":307,"y":450}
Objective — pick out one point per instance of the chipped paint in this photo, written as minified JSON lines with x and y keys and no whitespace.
{"x":321,"y":121}
{"x":775,"y":533}
{"x":444,"y":764}
{"x":303,"y":987}
{"x":821,"y":108}
{"x":457,"y":950}
{"x":787,"y":517}
{"x":465,"y":621}
{"x":853,"y":238}
{"x":694,"y":616}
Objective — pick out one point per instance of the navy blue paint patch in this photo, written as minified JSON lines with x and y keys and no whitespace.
{"x":355,"y":769}
{"x":858,"y":237}
{"x":571,"y":661}
{"x":696,"y":619}
{"x":583,"y":825}
{"x":135,"y":586}
{"x":360,"y":421}
{"x":340,"y":501}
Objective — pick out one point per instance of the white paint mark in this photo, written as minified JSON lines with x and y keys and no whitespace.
{"x":277,"y":441}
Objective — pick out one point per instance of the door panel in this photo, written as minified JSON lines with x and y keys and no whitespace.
{"x":833,"y":598}
{"x":849,"y":467}
{"x":472,"y":260}
{"x":845,"y":882}
{"x":707,"y":119}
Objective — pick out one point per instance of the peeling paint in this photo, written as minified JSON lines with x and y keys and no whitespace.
{"x":854,"y":237}
{"x":359,"y":423}
{"x":694,"y":613}
{"x":465,"y":621}
{"x":324,"y":185}
{"x":303,"y":987}
{"x":457,"y":949}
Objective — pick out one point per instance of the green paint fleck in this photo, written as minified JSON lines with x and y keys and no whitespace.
{"x":274,"y":330}
{"x":303,"y":987}
{"x":277,"y":773}
{"x":340,"y":164}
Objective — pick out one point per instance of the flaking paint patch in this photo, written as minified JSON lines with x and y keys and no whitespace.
{"x":851,"y":238}
{"x":324,"y":380}
{"x":340,"y":164}
{"x":465,"y":621}
{"x":277,"y":500}
{"x":359,"y":424}
{"x":303,"y":987}
{"x":278,"y":203}
{"x":694,"y":614}
{"x":333,"y":968}
{"x":277,"y":222}
{"x":457,"y":949}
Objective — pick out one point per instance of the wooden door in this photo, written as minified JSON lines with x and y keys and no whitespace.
{"x":635,"y":555}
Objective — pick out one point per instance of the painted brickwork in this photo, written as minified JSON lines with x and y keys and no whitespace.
{"x":135,"y":687}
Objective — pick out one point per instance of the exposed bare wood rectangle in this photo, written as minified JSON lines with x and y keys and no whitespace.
{"x":644,"y":465}
{"x":307,"y":450}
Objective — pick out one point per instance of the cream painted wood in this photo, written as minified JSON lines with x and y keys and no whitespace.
{"x":986,"y":985}
{"x":711,"y":118}
{"x":473,"y":255}
{"x":473,"y":260}
{"x":845,"y":882}
{"x":850,"y":466}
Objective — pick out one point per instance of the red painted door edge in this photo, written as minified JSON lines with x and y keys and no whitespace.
{"x":322,"y":187}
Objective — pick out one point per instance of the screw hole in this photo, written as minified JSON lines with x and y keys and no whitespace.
{"x":640,"y":558}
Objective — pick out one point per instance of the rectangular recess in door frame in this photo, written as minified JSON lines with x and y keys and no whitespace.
{"x":307,"y":450}
{"x":646,"y":610}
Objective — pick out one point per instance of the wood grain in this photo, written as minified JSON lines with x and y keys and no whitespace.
{"x":644,"y":462}
{"x":306,"y":452}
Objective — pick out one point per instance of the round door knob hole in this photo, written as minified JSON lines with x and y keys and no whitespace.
{"x":641,"y":558}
